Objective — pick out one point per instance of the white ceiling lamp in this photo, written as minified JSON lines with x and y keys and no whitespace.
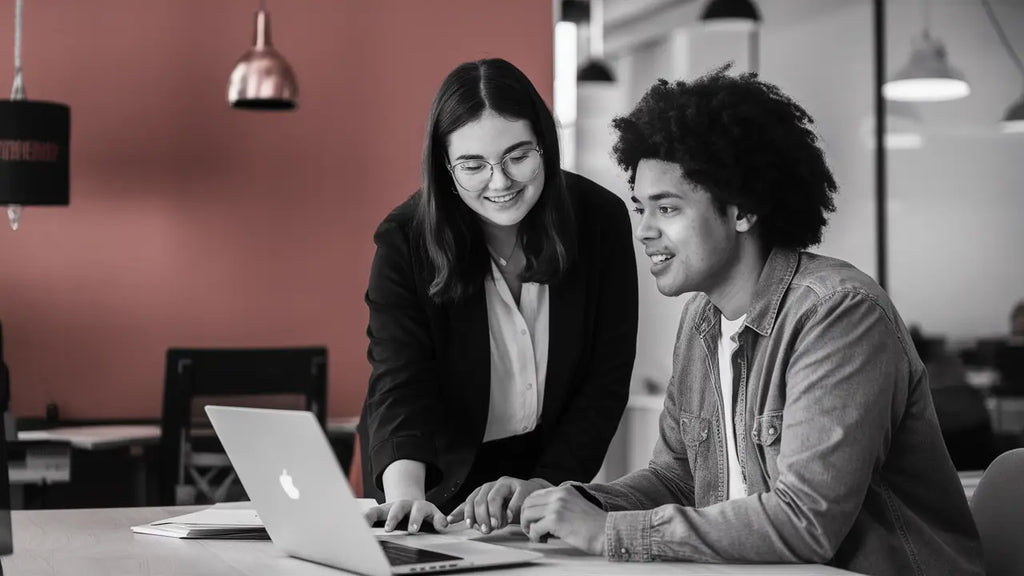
{"x":927,"y":76}
{"x":1013,"y":118}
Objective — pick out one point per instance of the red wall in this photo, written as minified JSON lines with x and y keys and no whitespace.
{"x":195,"y":225}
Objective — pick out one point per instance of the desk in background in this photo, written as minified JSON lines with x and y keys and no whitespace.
{"x":99,"y":542}
{"x":48,"y":455}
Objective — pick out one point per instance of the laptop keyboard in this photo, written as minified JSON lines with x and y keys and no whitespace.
{"x":399,"y":554}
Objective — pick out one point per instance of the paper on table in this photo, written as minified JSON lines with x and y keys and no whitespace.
{"x":213,"y":522}
{"x":216,"y":516}
{"x":223,"y":520}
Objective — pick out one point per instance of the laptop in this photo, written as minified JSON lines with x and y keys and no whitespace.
{"x":289,"y":470}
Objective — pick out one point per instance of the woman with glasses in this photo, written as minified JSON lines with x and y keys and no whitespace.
{"x":503,"y":315}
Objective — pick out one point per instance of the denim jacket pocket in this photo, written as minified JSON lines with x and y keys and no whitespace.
{"x":767,"y":435}
{"x":693,"y":429}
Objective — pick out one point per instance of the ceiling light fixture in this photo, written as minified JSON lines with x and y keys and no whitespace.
{"x":742,"y":14}
{"x":34,"y":145}
{"x":595,"y":69}
{"x":262,"y":78}
{"x":927,"y":76}
{"x":1013,"y":119}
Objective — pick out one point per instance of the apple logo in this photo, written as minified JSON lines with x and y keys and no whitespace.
{"x":288,"y":485}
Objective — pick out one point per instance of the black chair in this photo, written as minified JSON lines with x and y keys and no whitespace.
{"x":966,"y":426}
{"x":6,"y":539}
{"x":1009,"y":361}
{"x":190,"y":456}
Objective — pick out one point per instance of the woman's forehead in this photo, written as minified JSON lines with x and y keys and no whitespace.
{"x":491,"y":135}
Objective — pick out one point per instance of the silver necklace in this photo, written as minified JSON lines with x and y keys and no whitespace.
{"x":503,"y":262}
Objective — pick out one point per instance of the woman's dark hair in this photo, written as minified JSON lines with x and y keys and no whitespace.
{"x":744,"y":142}
{"x":450,"y":231}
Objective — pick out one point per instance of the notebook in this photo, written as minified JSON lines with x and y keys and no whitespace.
{"x":237,"y":520}
{"x":289,"y":471}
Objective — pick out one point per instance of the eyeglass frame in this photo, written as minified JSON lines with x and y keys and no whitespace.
{"x":500,"y":164}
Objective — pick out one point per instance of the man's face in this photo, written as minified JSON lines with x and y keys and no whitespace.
{"x":692,"y":246}
{"x":1017,"y":324}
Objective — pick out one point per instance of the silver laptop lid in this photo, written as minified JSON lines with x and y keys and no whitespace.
{"x":287,"y":468}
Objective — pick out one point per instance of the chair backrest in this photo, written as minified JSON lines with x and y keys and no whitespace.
{"x":966,"y":426}
{"x":6,"y":539}
{"x":239,"y":376}
{"x":1010,"y":363}
{"x":998,"y":509}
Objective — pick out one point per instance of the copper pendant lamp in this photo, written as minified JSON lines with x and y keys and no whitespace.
{"x":34,"y":145}
{"x":262,"y":78}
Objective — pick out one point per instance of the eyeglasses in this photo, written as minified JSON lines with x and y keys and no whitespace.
{"x":520,"y":165}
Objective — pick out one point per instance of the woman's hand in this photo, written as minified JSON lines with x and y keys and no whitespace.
{"x":416,"y":510}
{"x":496,"y":504}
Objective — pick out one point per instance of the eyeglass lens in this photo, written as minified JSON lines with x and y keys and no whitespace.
{"x":520,"y":165}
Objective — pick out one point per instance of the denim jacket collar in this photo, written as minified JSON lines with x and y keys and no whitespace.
{"x":775,"y":278}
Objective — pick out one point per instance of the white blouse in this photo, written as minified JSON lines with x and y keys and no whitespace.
{"x":519,"y":355}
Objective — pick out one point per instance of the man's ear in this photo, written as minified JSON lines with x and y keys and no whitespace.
{"x":745,"y":220}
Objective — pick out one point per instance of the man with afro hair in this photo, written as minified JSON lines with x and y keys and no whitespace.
{"x":798,"y":425}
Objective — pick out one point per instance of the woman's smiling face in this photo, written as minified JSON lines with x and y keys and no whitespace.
{"x":492,"y":139}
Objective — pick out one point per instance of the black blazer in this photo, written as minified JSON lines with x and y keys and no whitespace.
{"x":430,"y":384}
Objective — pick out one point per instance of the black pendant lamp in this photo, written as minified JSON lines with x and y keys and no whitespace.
{"x":595,"y":69}
{"x":34,"y":145}
{"x":731,"y":12}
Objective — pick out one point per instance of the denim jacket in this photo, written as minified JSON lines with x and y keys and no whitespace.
{"x":836,"y":436}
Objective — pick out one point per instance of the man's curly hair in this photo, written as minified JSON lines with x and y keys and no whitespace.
{"x":744,"y":142}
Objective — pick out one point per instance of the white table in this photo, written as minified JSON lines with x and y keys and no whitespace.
{"x":101,"y":436}
{"x":52,"y":464}
{"x":95,"y":542}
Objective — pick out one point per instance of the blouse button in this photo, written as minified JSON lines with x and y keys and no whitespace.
{"x":523,"y":332}
{"x":529,"y":385}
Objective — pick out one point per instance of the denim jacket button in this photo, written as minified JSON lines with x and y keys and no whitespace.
{"x":771,"y":430}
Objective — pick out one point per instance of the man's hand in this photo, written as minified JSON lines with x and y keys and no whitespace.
{"x":496,"y":504}
{"x":564,"y":513}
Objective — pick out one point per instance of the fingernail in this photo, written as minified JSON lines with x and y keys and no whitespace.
{"x":494,"y":522}
{"x":444,"y":523}
{"x":449,"y":518}
{"x":413,"y":527}
{"x":485,"y":529}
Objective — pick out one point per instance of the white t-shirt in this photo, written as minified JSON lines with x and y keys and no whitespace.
{"x":726,"y":346}
{"x":519,"y":355}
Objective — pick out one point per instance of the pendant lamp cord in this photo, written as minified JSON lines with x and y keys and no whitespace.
{"x":18,"y":89}
{"x":1003,"y":38}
